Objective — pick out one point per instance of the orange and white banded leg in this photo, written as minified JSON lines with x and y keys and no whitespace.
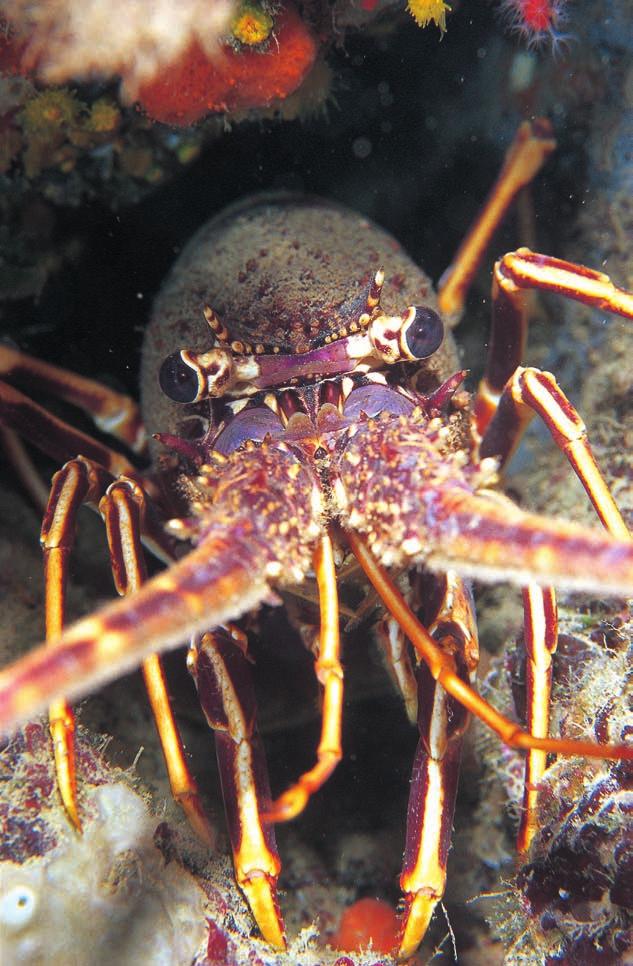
{"x":221,"y":671}
{"x":514,"y":275}
{"x":518,"y":394}
{"x":441,"y":722}
{"x":329,"y":673}
{"x":82,"y":481}
{"x":442,"y":668}
{"x":531,"y":391}
{"x":112,"y":412}
{"x":53,"y":436}
{"x":123,"y":508}
{"x":445,"y":669}
{"x":396,"y":654}
{"x":21,"y":418}
{"x":529,"y":150}
{"x":540,"y":623}
{"x":507,"y":343}
{"x":79,"y":481}
{"x":525,"y":269}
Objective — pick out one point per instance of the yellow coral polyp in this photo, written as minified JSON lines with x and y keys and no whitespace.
{"x":104,"y":117}
{"x":429,"y":11}
{"x":252,"y":25}
{"x":49,"y":110}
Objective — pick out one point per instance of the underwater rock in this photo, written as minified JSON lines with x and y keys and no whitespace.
{"x":107,"y":895}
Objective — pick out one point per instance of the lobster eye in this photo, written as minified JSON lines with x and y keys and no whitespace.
{"x":178,"y":380}
{"x":424,"y":333}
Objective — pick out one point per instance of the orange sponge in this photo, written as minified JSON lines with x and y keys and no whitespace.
{"x":368,"y":920}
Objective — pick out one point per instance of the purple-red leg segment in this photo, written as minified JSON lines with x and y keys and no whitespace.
{"x":441,"y":722}
{"x":508,"y":397}
{"x":222,"y":673}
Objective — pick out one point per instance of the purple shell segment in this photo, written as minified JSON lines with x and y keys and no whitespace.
{"x":375,"y":399}
{"x":251,"y":424}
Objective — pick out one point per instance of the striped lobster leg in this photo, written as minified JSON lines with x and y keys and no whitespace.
{"x":221,"y":671}
{"x":441,"y":722}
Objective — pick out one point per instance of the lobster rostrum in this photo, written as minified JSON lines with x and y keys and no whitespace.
{"x":305,"y":402}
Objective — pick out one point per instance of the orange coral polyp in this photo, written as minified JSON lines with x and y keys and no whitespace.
{"x":198,"y":84}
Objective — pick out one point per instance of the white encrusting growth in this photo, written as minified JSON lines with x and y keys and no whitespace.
{"x":105,"y":896}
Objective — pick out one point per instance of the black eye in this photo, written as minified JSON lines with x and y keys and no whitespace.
{"x":425,"y":333}
{"x":178,"y":380}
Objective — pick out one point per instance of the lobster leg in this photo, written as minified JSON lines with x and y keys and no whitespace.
{"x":514,"y":275}
{"x":394,"y":645}
{"x":53,"y":436}
{"x":527,"y":270}
{"x":330,"y":674}
{"x":62,"y":442}
{"x":540,"y":623}
{"x":122,"y":504}
{"x":506,"y":400}
{"x":221,"y":671}
{"x":528,"y":152}
{"x":508,"y":340}
{"x":442,"y":668}
{"x":84,"y":480}
{"x":19,"y":459}
{"x":531,"y":391}
{"x":123,"y":509}
{"x":112,"y":412}
{"x":441,"y":722}
{"x":78,"y":482}
{"x":427,"y":834}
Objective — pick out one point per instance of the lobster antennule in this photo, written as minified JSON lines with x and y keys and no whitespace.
{"x":241,"y":546}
